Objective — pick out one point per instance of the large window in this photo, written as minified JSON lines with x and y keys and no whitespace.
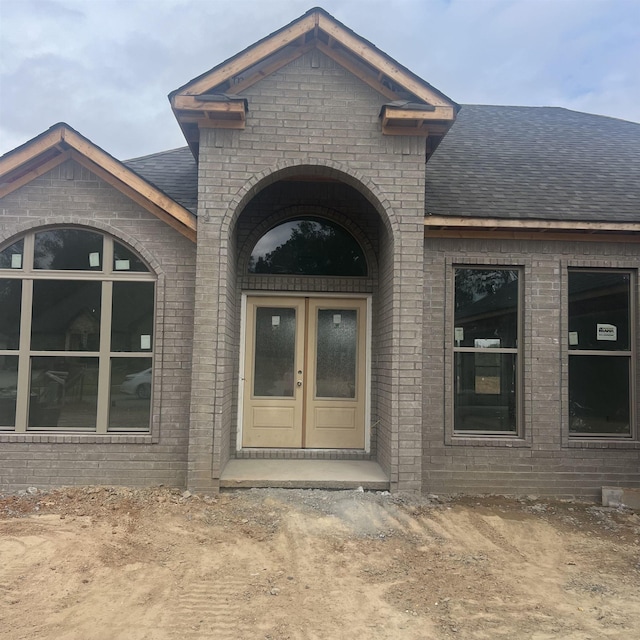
{"x":76,"y":334}
{"x":600,"y":353}
{"x":486,"y":342}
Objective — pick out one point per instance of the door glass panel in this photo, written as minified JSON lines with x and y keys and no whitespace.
{"x":275,"y":350}
{"x":336,"y":349}
{"x":64,"y":393}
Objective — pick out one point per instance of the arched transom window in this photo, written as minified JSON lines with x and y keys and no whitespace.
{"x":310,"y":247}
{"x":77,"y":313}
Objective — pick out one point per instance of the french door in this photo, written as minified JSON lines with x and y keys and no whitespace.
{"x":305,"y":379}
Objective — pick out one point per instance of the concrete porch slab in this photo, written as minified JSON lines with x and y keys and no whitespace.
{"x":304,"y":474}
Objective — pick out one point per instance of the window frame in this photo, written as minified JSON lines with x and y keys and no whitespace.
{"x":106,"y":275}
{"x":631,"y":354}
{"x":469,"y":435}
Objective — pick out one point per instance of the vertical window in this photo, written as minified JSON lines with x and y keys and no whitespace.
{"x":77,"y":312}
{"x":486,"y":351}
{"x":600,"y":353}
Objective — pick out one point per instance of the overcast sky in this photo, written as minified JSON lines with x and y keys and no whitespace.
{"x":106,"y":66}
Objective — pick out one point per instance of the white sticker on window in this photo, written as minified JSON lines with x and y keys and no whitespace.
{"x":607,"y":332}
{"x":16,"y":261}
{"x":459,"y":334}
{"x":145,"y":342}
{"x":337,"y":319}
{"x":275,"y":321}
{"x":486,"y":343}
{"x":122,"y":265}
{"x":94,"y":259}
{"x":573,"y":338}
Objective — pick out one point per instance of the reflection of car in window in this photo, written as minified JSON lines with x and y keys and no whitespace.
{"x":138,"y":384}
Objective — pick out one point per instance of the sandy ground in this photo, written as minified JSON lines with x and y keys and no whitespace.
{"x":114,"y":563}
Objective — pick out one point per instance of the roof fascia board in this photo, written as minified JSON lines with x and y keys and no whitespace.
{"x":247,"y":58}
{"x":381,"y":61}
{"x":539,"y":235}
{"x":132,"y":193}
{"x":459,"y":222}
{"x":119,"y":174}
{"x":40,"y":170}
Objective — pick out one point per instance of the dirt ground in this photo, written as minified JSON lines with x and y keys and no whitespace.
{"x":113,"y":563}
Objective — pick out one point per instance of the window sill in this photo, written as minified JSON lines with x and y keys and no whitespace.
{"x":79,"y":438}
{"x":467,"y":440}
{"x":602,"y":443}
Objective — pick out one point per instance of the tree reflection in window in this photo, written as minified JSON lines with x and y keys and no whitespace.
{"x":308,"y":246}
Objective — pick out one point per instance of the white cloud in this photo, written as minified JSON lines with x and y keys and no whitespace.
{"x":106,"y":66}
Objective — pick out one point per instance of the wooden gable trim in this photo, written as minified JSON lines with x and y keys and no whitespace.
{"x":251,"y":56}
{"x":69,"y":144}
{"x":32,"y":174}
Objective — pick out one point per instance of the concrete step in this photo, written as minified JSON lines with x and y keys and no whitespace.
{"x":304,"y":474}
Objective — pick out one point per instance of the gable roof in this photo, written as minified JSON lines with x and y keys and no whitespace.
{"x":61,"y":143}
{"x":542,"y":164}
{"x":214,"y":99}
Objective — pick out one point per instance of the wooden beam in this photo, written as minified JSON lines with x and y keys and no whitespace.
{"x":38,"y":171}
{"x":421,"y":131}
{"x":251,"y":56}
{"x":192,"y":103}
{"x":14,"y":160}
{"x":500,"y":223}
{"x":356,"y":71}
{"x":267,"y":70}
{"x":439,"y":113}
{"x":485,"y":234}
{"x":129,"y":178}
{"x":381,"y":62}
{"x":189,"y":231}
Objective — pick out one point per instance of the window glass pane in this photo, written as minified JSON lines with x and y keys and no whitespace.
{"x":64,"y":393}
{"x":130,"y":400}
{"x":485,"y":392}
{"x":132,"y":316}
{"x":599,"y":401}
{"x":10,"y":305}
{"x":336,"y":353}
{"x":73,"y":249}
{"x":11,"y":257}
{"x":308,"y":246}
{"x":486,"y":308}
{"x":275,"y":351}
{"x":66,"y":315}
{"x":125,"y":260}
{"x":8,"y":385}
{"x":599,"y":310}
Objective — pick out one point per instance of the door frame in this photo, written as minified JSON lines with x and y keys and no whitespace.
{"x":298,"y":294}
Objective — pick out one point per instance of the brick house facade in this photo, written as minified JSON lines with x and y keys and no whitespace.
{"x":467,"y":372}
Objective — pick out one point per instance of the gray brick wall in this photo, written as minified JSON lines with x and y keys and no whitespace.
{"x":322,"y":122}
{"x":544,"y":460}
{"x":71,"y":195}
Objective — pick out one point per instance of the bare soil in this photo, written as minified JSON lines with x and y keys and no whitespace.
{"x":114,"y":563}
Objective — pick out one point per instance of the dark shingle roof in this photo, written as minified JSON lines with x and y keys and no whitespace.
{"x":542,"y":163}
{"x":536,"y":162}
{"x":174,"y":172}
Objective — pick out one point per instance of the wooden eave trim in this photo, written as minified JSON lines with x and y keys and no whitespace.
{"x":236,"y":108}
{"x":250,"y":57}
{"x":373,"y":82}
{"x":130,"y":179}
{"x":458,"y":222}
{"x":382,"y":62}
{"x":36,"y":172}
{"x":189,"y":231}
{"x":439,"y":113}
{"x":30,"y":151}
{"x":486,"y":234}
